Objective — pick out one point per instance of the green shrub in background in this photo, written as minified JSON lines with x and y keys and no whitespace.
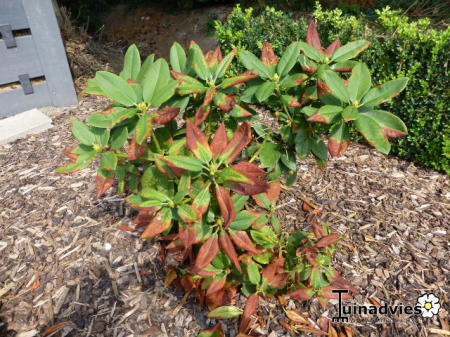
{"x":400,"y":47}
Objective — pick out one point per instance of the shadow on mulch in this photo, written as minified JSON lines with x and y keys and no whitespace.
{"x":4,"y":332}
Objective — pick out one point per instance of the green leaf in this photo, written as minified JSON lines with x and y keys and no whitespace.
{"x":264,"y":91}
{"x":202,"y":199}
{"x":253,"y":273}
{"x":311,"y":52}
{"x":143,"y":129}
{"x":226,"y":311}
{"x":319,"y":149}
{"x":116,"y":88}
{"x":359,"y":82}
{"x":318,"y":279}
{"x":337,"y":86}
{"x":186,"y":163}
{"x":153,"y":194}
{"x":289,"y":161}
{"x":251,"y":62}
{"x":115,"y":116}
{"x":178,"y":58}
{"x":108,"y":161}
{"x":269,"y":155}
{"x":119,"y":137}
{"x":228,"y":174}
{"x":158,"y":77}
{"x":239,"y":201}
{"x":143,"y":73}
{"x":288,"y":59}
{"x":187,"y":213}
{"x":101,"y":136}
{"x":302,"y":143}
{"x":83,"y":133}
{"x":387,"y":90}
{"x":293,"y":80}
{"x":263,"y":258}
{"x":132,"y":64}
{"x":243,"y":221}
{"x":164,"y":93}
{"x":350,"y":50}
{"x":264,"y":237}
{"x":183,"y":187}
{"x":199,"y":62}
{"x":373,"y":133}
{"x":224,"y":65}
{"x":350,"y":113}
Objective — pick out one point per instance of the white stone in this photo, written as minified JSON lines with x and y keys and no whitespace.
{"x":23,"y":124}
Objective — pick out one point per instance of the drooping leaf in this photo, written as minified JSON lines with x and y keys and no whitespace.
{"x":243,"y":241}
{"x":253,"y":273}
{"x":269,"y":155}
{"x":254,"y":173}
{"x":339,"y":140}
{"x":81,"y":155}
{"x":391,"y":124}
{"x":373,"y":133}
{"x":207,"y":252}
{"x":213,"y":332}
{"x":226,"y":205}
{"x":201,"y":114}
{"x":103,"y":182}
{"x":272,"y":194}
{"x":327,"y":240}
{"x":326,"y":114}
{"x":251,"y":308}
{"x":159,"y":224}
{"x":108,"y":161}
{"x":216,"y":285}
{"x":302,"y":293}
{"x":350,"y":50}
{"x":82,"y":133}
{"x":229,"y":250}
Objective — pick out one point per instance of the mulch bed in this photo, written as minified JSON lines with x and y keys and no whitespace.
{"x":63,"y":258}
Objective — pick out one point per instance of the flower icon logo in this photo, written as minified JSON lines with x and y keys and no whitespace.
{"x":429,"y":304}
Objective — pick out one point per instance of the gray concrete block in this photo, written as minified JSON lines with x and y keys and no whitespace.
{"x":23,"y":124}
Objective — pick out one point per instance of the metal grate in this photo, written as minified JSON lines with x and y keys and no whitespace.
{"x":33,"y":66}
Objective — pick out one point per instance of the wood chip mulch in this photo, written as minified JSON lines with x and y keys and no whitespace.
{"x":66,"y":269}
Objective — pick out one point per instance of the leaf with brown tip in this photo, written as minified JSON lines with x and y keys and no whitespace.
{"x":272,"y":194}
{"x":242,"y":137}
{"x":302,"y":293}
{"x":135,"y":151}
{"x":332,"y":47}
{"x":201,"y":114}
{"x":102,"y":184}
{"x":327,"y":240}
{"x":254,"y":173}
{"x":159,"y":224}
{"x":196,"y":141}
{"x":216,"y":285}
{"x":243,"y":241}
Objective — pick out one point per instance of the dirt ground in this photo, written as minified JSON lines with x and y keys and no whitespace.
{"x":64,"y":259}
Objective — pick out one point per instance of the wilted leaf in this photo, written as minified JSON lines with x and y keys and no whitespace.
{"x":159,"y":224}
{"x":207,"y":252}
{"x":251,"y":308}
{"x":226,"y":205}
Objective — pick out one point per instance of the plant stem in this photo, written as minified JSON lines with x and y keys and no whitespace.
{"x":256,"y":154}
{"x":155,"y":139}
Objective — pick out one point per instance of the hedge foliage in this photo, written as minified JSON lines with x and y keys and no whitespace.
{"x":400,"y":47}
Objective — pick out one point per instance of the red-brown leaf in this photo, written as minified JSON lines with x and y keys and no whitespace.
{"x":242,"y":137}
{"x":302,"y":293}
{"x":220,"y":141}
{"x":103,"y":184}
{"x":228,"y":248}
{"x":157,"y":226}
{"x":207,"y":252}
{"x":215,"y":286}
{"x":275,"y":274}
{"x":135,"y":151}
{"x":201,"y":114}
{"x":268,"y":56}
{"x":336,"y":148}
{"x":312,"y":36}
{"x":213,"y":57}
{"x":166,"y":115}
{"x":243,"y":241}
{"x":68,"y":153}
{"x":57,"y":327}
{"x":272,"y":194}
{"x":251,"y":308}
{"x":341,"y":283}
{"x":226,"y":205}
{"x":217,"y":328}
{"x":327,"y":240}
{"x":210,"y":93}
{"x":144,"y":217}
{"x":254,"y":173}
{"x":188,"y":235}
{"x":332,"y":47}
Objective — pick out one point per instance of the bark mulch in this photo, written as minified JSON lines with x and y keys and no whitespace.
{"x":67,"y":269}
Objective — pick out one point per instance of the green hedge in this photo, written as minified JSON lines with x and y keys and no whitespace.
{"x":400,"y":47}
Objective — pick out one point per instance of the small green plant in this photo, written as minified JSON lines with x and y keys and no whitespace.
{"x":186,"y":149}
